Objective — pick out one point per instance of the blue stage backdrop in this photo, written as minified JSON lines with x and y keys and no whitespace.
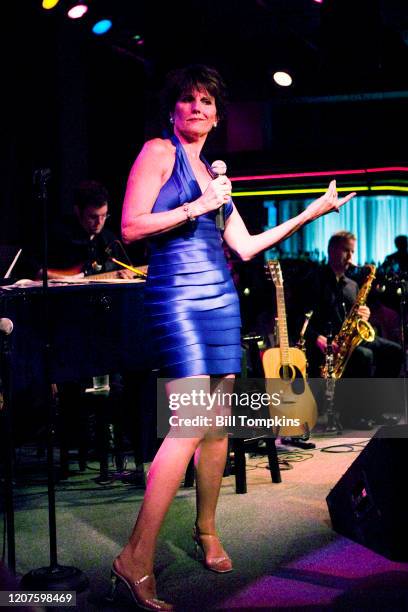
{"x":374,"y":220}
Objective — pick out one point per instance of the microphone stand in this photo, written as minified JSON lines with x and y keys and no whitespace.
{"x":55,"y":577}
{"x":7,"y":445}
{"x":333,"y":425}
{"x":403,"y":304}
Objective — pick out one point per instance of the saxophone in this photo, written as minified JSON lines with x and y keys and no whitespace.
{"x":353,"y":331}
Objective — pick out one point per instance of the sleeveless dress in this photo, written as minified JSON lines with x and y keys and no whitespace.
{"x":191,"y":304}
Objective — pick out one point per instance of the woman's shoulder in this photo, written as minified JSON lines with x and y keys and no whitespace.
{"x":159,"y":146}
{"x":156,"y":157}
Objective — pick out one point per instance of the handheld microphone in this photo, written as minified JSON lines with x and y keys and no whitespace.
{"x":6,"y":326}
{"x":219,"y":168}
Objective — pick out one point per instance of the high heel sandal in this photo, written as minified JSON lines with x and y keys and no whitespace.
{"x":136,"y":588}
{"x":221,"y":565}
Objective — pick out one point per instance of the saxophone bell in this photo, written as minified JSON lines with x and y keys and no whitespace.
{"x":365,"y":330}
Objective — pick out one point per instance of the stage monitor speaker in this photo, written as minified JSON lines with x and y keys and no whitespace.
{"x":368,"y":503}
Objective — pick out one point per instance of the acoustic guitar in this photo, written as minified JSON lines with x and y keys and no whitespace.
{"x":139,"y":272}
{"x":285,"y":373}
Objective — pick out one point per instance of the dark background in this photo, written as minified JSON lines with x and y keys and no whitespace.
{"x":82,"y":105}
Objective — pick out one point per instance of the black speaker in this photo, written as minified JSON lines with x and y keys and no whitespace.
{"x":368,"y":503}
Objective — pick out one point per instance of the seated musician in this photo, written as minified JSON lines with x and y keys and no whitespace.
{"x":397,"y":262}
{"x":330,"y":295}
{"x":81,"y":244}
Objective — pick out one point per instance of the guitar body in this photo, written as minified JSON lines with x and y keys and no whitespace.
{"x":297,"y":401}
{"x":285,"y":373}
{"x":272,"y":361}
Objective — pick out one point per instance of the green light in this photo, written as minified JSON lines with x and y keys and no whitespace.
{"x":137,"y":37}
{"x":246,"y":291}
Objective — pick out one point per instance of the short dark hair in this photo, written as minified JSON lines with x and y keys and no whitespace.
{"x":401,"y":241}
{"x":340,"y":237}
{"x":90,"y":193}
{"x":195,"y":76}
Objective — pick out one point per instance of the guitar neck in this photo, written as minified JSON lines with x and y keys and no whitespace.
{"x":102,"y":275}
{"x":282,"y":324}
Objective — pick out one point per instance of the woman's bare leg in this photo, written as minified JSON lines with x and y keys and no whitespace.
{"x":210,"y":458}
{"x":165,"y":475}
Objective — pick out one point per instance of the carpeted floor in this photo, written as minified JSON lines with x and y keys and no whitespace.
{"x":286,"y":556}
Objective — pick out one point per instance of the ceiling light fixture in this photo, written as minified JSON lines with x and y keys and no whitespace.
{"x":282,"y":78}
{"x":49,"y":4}
{"x":77,"y":11}
{"x":102,"y":26}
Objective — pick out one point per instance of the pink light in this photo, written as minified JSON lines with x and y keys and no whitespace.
{"x":261,"y":177}
{"x":389,"y":169}
{"x":77,"y":11}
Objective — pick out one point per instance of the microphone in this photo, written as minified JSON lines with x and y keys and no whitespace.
{"x":109,"y":250}
{"x":219,"y":168}
{"x":6,"y":326}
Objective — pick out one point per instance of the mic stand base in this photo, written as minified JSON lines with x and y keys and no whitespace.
{"x":333,"y":426}
{"x":57,"y":578}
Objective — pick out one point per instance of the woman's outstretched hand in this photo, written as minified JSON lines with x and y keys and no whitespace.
{"x":328,"y":202}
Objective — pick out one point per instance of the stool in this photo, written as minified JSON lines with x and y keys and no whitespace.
{"x":238,"y":447}
{"x":238,"y":444}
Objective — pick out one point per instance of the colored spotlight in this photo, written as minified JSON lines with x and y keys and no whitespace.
{"x":101,"y":27}
{"x":77,"y":11}
{"x":49,"y":4}
{"x":282,"y":78}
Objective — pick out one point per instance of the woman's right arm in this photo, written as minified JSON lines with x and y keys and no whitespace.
{"x":147,"y":176}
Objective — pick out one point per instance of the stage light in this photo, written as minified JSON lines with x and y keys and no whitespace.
{"x":319,"y":1}
{"x":77,"y":11}
{"x":101,"y":27}
{"x":49,"y":4}
{"x":282,"y":78}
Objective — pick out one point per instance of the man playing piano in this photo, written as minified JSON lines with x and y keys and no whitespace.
{"x":81,"y":244}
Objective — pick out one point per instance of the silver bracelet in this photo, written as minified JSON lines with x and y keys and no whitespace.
{"x":190,"y":216}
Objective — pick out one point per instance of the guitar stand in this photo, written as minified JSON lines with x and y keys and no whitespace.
{"x":299,"y":441}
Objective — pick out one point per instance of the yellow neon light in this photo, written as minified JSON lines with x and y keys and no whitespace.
{"x":294,"y":191}
{"x":388,"y":188}
{"x":317,"y":190}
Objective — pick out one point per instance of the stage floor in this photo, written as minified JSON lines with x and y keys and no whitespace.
{"x":285,"y":554}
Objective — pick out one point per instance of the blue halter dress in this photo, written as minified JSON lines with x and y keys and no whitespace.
{"x":190,"y":300}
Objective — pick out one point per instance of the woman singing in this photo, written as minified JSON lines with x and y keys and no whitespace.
{"x":193,"y":308}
